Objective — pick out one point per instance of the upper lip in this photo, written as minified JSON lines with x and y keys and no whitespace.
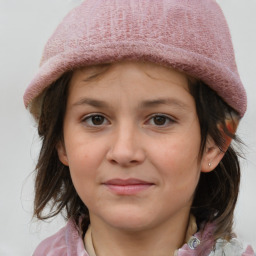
{"x":125,"y":182}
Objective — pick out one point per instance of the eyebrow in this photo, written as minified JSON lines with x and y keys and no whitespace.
{"x":91,"y":102}
{"x":144,"y":104}
{"x":164,"y":101}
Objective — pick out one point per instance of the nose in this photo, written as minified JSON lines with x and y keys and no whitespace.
{"x":126,"y":147}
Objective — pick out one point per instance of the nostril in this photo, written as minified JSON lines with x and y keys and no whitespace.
{"x":112,"y":161}
{"x":124,"y":163}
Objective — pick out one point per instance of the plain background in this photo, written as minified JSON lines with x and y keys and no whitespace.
{"x":25,"y":25}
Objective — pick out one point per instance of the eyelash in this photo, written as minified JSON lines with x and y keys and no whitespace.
{"x":167,"y":120}
{"x":89,"y":120}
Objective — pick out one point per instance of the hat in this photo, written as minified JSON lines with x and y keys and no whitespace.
{"x":191,"y":36}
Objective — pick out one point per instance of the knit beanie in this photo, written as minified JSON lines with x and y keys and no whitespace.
{"x":191,"y":36}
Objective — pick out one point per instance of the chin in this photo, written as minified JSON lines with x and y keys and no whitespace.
{"x":131,"y":226}
{"x":129,"y":221}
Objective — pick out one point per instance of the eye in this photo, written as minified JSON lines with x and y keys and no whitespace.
{"x":95,"y":120}
{"x":160,"y":120}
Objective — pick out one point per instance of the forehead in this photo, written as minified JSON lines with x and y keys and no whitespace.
{"x":133,"y":84}
{"x":93,"y":74}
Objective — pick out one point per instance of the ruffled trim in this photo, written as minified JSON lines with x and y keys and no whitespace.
{"x":234,"y":247}
{"x":204,"y":243}
{"x":207,"y":246}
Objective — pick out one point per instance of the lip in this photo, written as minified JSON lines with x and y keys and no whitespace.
{"x":127,"y":186}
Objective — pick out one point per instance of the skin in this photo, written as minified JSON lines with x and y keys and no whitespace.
{"x":134,"y":121}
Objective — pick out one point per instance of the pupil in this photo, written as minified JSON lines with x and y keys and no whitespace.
{"x":159,"y":120}
{"x":97,"y":120}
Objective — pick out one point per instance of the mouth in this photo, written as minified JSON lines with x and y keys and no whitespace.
{"x":127,"y":186}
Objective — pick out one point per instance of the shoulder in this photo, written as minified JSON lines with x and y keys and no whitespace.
{"x":66,"y":242}
{"x":233,"y":247}
{"x":202,"y":243}
{"x":53,"y":245}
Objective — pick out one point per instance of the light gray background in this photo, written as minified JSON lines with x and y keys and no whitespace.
{"x":25,"y":25}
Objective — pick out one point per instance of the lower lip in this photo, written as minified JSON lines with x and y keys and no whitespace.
{"x":128,"y":189}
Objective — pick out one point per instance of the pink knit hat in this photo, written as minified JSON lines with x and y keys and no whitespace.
{"x":188,"y":35}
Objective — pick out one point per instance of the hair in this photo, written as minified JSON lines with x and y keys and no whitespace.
{"x":216,"y":193}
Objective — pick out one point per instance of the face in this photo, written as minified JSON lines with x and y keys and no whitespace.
{"x":131,"y":141}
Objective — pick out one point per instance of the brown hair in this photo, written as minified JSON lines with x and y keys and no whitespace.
{"x":216,"y":193}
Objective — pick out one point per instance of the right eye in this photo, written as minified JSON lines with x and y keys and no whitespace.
{"x":95,"y":120}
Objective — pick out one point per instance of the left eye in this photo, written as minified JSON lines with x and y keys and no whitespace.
{"x":95,"y":120}
{"x":160,"y":120}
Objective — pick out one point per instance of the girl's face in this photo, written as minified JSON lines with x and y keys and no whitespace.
{"x":131,"y":141}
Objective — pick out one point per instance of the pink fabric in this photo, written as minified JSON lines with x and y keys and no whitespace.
{"x":205,"y":246}
{"x":248,"y":252}
{"x":191,"y":36}
{"x":67,"y":242}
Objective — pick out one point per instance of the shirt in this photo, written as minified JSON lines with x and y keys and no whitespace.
{"x":68,"y":242}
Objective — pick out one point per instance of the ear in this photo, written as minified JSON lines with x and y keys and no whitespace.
{"x":211,"y":156}
{"x":62,"y":153}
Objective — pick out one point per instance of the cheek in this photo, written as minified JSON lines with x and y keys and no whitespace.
{"x":177,"y":160}
{"x":84,"y":152}
{"x":84,"y":160}
{"x":84,"y":176}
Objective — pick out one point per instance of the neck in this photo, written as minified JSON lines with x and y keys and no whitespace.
{"x":162,"y":240}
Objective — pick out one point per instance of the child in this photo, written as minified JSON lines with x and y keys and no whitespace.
{"x":137,"y":103}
